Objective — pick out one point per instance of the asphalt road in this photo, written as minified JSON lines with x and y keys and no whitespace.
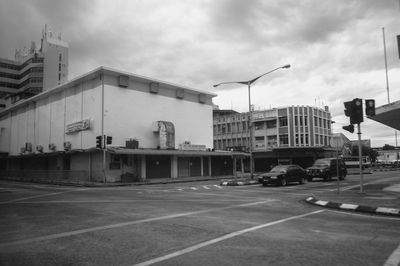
{"x":197,"y":223}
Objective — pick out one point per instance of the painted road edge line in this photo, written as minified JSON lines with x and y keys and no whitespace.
{"x":353,"y":207}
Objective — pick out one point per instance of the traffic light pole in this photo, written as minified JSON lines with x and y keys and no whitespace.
{"x":360,"y":159}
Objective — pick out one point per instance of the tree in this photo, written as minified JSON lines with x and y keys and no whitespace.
{"x":365,"y":151}
{"x":388,"y":147}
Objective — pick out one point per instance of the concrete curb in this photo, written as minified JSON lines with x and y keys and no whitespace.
{"x":116,"y":184}
{"x":238,"y":182}
{"x":353,"y":207}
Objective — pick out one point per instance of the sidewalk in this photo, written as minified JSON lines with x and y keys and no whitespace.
{"x":377,"y":198}
{"x":153,"y":181}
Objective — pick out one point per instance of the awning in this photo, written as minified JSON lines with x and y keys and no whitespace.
{"x":388,"y":115}
{"x":118,"y":150}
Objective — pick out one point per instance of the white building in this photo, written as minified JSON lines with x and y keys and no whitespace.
{"x":34,"y":70}
{"x":158,"y":130}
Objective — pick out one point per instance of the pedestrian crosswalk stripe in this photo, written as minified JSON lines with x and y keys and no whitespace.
{"x":205,"y":187}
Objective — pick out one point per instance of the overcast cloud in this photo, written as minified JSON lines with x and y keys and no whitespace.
{"x":335,"y":47}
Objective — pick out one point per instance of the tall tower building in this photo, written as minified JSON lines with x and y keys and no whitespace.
{"x":34,"y":70}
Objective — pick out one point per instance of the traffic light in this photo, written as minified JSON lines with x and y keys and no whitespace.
{"x":109,"y":140}
{"x":347,"y":108}
{"x":370,"y":107}
{"x":349,"y":128}
{"x":99,"y":140}
{"x":354,"y":110}
{"x":357,"y":112}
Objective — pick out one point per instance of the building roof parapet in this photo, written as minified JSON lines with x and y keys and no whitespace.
{"x":98,"y":72}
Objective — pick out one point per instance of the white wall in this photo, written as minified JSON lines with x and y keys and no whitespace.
{"x":44,"y":121}
{"x":130,"y":114}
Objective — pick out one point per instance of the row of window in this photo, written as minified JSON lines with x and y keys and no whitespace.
{"x":272,"y":141}
{"x":20,"y":67}
{"x":21,"y":85}
{"x":283,"y":122}
{"x":243,"y":126}
{"x":20,"y":76}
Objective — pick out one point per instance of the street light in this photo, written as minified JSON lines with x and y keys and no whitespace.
{"x":250,"y":119}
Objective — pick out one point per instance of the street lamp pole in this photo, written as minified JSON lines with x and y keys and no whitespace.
{"x":250,"y":126}
{"x":250,"y":119}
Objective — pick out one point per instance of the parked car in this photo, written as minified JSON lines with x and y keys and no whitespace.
{"x":283,"y":174}
{"x":326,"y":169}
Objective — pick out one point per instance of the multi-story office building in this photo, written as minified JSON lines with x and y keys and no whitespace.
{"x":34,"y":70}
{"x":296,"y":134}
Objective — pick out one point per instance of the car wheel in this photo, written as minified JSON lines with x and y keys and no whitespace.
{"x":283,"y":182}
{"x":303,"y":180}
{"x":264,"y":184}
{"x":309,"y":179}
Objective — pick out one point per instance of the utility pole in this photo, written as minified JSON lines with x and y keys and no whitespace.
{"x":360,"y":159}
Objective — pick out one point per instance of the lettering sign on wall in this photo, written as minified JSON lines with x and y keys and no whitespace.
{"x":78,"y":126}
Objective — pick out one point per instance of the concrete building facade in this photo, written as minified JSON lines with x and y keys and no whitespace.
{"x":157,"y":129}
{"x":34,"y":70}
{"x":296,"y":134}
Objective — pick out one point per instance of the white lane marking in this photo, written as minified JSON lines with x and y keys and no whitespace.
{"x":387,"y":210}
{"x":321,"y":202}
{"x":180,"y":189}
{"x":222,"y":238}
{"x":111,"y":226}
{"x":205,"y":187}
{"x":241,"y":199}
{"x":43,"y":195}
{"x":394,"y":259}
{"x":348,"y":206}
{"x":368,"y":216}
{"x":193,"y":188}
{"x":217,"y":186}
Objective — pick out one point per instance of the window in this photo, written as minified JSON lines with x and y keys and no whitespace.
{"x":283,"y":140}
{"x":271,"y":141}
{"x":260,"y":142}
{"x":306,"y":121}
{"x":296,"y":118}
{"x":244,"y":126}
{"x":229,"y":128}
{"x":258,"y":125}
{"x":306,"y":135}
{"x":320,"y":122}
{"x":59,"y":67}
{"x":60,"y":57}
{"x":283,"y":122}
{"x":271,"y":124}
{"x":315,"y":121}
{"x":297,"y":139}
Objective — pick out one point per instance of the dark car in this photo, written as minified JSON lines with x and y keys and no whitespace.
{"x":326,"y":168}
{"x":283,"y":174}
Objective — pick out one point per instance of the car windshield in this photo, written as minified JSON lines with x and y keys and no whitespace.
{"x":279,"y":169}
{"x":321,"y":162}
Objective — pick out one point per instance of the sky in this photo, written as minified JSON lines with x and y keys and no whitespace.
{"x":335,"y":47}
